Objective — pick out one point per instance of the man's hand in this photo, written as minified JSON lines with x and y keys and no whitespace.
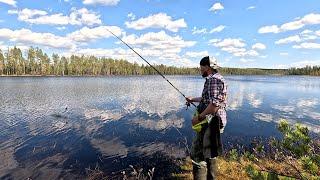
{"x":189,"y":100}
{"x":197,"y":119}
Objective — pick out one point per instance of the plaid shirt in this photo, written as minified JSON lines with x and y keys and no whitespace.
{"x":215,"y":91}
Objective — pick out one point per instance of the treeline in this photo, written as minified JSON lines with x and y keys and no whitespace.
{"x":36,"y":62}
{"x":308,"y":70}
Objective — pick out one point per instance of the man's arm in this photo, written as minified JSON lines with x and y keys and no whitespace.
{"x":195,"y":99}
{"x":211,"y":109}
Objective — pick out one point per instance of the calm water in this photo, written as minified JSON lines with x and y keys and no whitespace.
{"x":59,"y":127}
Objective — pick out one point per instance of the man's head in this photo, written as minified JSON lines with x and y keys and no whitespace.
{"x":208,"y":66}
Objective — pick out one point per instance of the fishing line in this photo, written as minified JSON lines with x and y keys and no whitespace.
{"x":150,"y":65}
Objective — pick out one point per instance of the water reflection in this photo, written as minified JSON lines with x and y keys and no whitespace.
{"x":115,"y":122}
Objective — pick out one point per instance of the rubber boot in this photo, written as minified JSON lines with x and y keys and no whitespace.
{"x":212,"y":168}
{"x":199,"y":170}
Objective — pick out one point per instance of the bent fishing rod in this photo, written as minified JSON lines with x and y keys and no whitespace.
{"x":150,"y":65}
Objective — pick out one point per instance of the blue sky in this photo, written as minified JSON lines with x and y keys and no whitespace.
{"x":242,"y":33}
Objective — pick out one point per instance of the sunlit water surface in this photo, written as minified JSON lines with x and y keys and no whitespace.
{"x":53,"y":128}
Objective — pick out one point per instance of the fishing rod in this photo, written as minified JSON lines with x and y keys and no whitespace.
{"x":151,"y":66}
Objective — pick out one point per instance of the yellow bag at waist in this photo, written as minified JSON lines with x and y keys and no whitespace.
{"x":198,"y":127}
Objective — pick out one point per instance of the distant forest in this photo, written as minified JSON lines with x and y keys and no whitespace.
{"x":37,"y":62}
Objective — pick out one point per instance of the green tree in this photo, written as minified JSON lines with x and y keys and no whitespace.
{"x":2,"y":64}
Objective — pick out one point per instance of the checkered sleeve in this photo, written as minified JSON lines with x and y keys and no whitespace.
{"x":215,"y":91}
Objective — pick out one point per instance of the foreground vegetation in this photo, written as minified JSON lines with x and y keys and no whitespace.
{"x":36,"y":62}
{"x":295,"y":156}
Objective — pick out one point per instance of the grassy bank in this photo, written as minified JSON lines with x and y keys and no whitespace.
{"x":295,"y":156}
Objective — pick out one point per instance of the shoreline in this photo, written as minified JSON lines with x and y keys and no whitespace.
{"x":150,"y":75}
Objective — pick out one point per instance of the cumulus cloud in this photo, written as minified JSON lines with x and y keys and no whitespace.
{"x":303,"y":63}
{"x":307,"y":45}
{"x":228,"y":42}
{"x":159,"y":46}
{"x":284,"y":54}
{"x":216,"y":7}
{"x":77,"y":17}
{"x":259,"y":46}
{"x":160,"y":20}
{"x":70,"y":41}
{"x":199,"y":31}
{"x":88,"y":34}
{"x":101,"y":2}
{"x":29,"y":37}
{"x":131,"y":16}
{"x":243,"y":60}
{"x":217,"y":29}
{"x":295,"y":38}
{"x":235,"y":47}
{"x":10,"y":2}
{"x":309,"y":19}
{"x":205,"y":31}
{"x":197,"y":54}
{"x":159,"y":40}
{"x":305,"y":37}
{"x":269,"y":29}
{"x":251,"y":7}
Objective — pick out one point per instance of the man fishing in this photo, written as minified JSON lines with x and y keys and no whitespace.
{"x":209,"y":120}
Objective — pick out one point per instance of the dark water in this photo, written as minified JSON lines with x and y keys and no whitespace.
{"x":53,"y":128}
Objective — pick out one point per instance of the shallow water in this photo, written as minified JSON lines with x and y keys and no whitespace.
{"x":57,"y":127}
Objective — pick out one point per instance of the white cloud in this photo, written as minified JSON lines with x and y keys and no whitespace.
{"x":10,"y":2}
{"x":269,"y":29}
{"x":159,"y":40}
{"x":295,"y":38}
{"x":102,"y":2}
{"x":235,"y":47}
{"x":284,"y":54}
{"x":259,"y":46}
{"x":131,"y":16}
{"x":204,"y":30}
{"x":216,"y":6}
{"x":160,"y":47}
{"x":218,"y":29}
{"x":160,"y":20}
{"x":158,"y":56}
{"x":309,"y":19}
{"x":246,"y":53}
{"x":307,"y":31}
{"x":199,"y":31}
{"x":77,"y":17}
{"x":251,"y":7}
{"x":229,"y":42}
{"x":88,"y":34}
{"x":26,"y":14}
{"x":197,"y":54}
{"x":246,"y":60}
{"x":304,"y":63}
{"x":29,"y":37}
{"x":307,"y":46}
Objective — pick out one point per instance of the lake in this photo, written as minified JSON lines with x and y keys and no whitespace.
{"x":60,"y":127}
